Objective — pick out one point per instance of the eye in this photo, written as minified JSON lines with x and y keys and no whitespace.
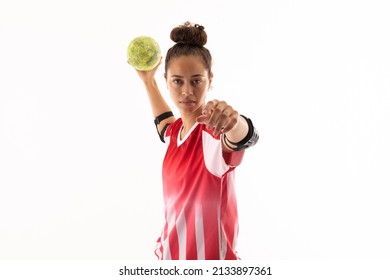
{"x":196,"y":82}
{"x":177,"y":81}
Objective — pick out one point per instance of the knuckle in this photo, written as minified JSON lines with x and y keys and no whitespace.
{"x":234,"y":117}
{"x":213,"y":103}
{"x":226,"y":113}
{"x":217,"y":110}
{"x":224,"y":118}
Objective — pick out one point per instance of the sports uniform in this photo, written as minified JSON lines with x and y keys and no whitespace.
{"x":201,"y":220}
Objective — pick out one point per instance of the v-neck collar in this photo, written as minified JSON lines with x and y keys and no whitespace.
{"x":179,"y":142}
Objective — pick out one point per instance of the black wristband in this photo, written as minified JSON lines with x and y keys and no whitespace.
{"x":249,"y":140}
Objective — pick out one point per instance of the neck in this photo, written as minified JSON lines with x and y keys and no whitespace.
{"x":187,"y":124}
{"x":190,"y":119}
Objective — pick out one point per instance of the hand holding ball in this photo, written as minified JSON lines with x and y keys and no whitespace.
{"x":143,"y":53}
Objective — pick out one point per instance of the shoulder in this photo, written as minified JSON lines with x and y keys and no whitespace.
{"x":173,"y":127}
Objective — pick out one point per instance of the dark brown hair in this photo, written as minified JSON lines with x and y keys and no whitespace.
{"x":190,"y":40}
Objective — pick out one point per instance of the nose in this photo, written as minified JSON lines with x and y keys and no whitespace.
{"x":186,"y":89}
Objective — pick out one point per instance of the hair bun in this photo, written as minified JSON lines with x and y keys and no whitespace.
{"x":189,"y":34}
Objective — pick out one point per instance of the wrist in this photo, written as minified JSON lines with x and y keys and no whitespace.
{"x":149,"y":82}
{"x":251,"y":138}
{"x":239,"y":131}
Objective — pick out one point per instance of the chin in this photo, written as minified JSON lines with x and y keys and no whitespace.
{"x":191,"y":111}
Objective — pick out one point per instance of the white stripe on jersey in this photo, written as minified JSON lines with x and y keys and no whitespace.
{"x":221,"y":237}
{"x":166,"y":250}
{"x":212,"y":153}
{"x":181,"y":228}
{"x":171,"y":217}
{"x":199,"y":232}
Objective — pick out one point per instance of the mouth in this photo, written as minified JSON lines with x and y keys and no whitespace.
{"x":187,"y":102}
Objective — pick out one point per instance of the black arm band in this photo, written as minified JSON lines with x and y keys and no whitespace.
{"x":158,"y":120}
{"x":162,"y":117}
{"x":161,"y":134}
{"x":249,"y":140}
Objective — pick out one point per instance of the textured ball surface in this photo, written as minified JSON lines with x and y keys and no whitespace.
{"x":143,"y":53}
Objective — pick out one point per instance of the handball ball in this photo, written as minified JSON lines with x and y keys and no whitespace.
{"x":143,"y":53}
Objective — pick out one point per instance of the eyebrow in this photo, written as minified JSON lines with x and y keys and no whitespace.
{"x":193,"y":76}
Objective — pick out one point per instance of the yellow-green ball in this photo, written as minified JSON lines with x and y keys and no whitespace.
{"x":143,"y":53}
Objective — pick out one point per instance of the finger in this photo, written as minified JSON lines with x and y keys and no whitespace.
{"x":233,"y":120}
{"x":222,"y":123}
{"x":216,"y":114}
{"x":156,"y":67}
{"x":209,"y":107}
{"x":229,"y":126}
{"x":203,"y":119}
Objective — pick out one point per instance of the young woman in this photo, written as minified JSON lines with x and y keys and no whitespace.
{"x":204,"y":146}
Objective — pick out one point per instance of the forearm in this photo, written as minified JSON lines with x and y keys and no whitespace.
{"x":239,"y":131}
{"x":157,"y":102}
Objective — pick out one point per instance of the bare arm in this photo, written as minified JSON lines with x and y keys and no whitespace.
{"x":157,"y":102}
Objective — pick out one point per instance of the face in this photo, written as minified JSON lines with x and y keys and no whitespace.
{"x":188,"y":81}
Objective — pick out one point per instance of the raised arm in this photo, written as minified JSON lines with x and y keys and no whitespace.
{"x":157,"y":102}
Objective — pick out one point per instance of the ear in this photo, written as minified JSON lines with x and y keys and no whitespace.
{"x":211,"y":79}
{"x":166,"y":81}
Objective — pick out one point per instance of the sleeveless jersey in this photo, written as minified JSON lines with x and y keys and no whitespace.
{"x":201,"y":220}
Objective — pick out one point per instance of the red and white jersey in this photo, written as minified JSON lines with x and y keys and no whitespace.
{"x":201,"y":221}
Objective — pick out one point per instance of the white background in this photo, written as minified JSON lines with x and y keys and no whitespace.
{"x":80,"y":160}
